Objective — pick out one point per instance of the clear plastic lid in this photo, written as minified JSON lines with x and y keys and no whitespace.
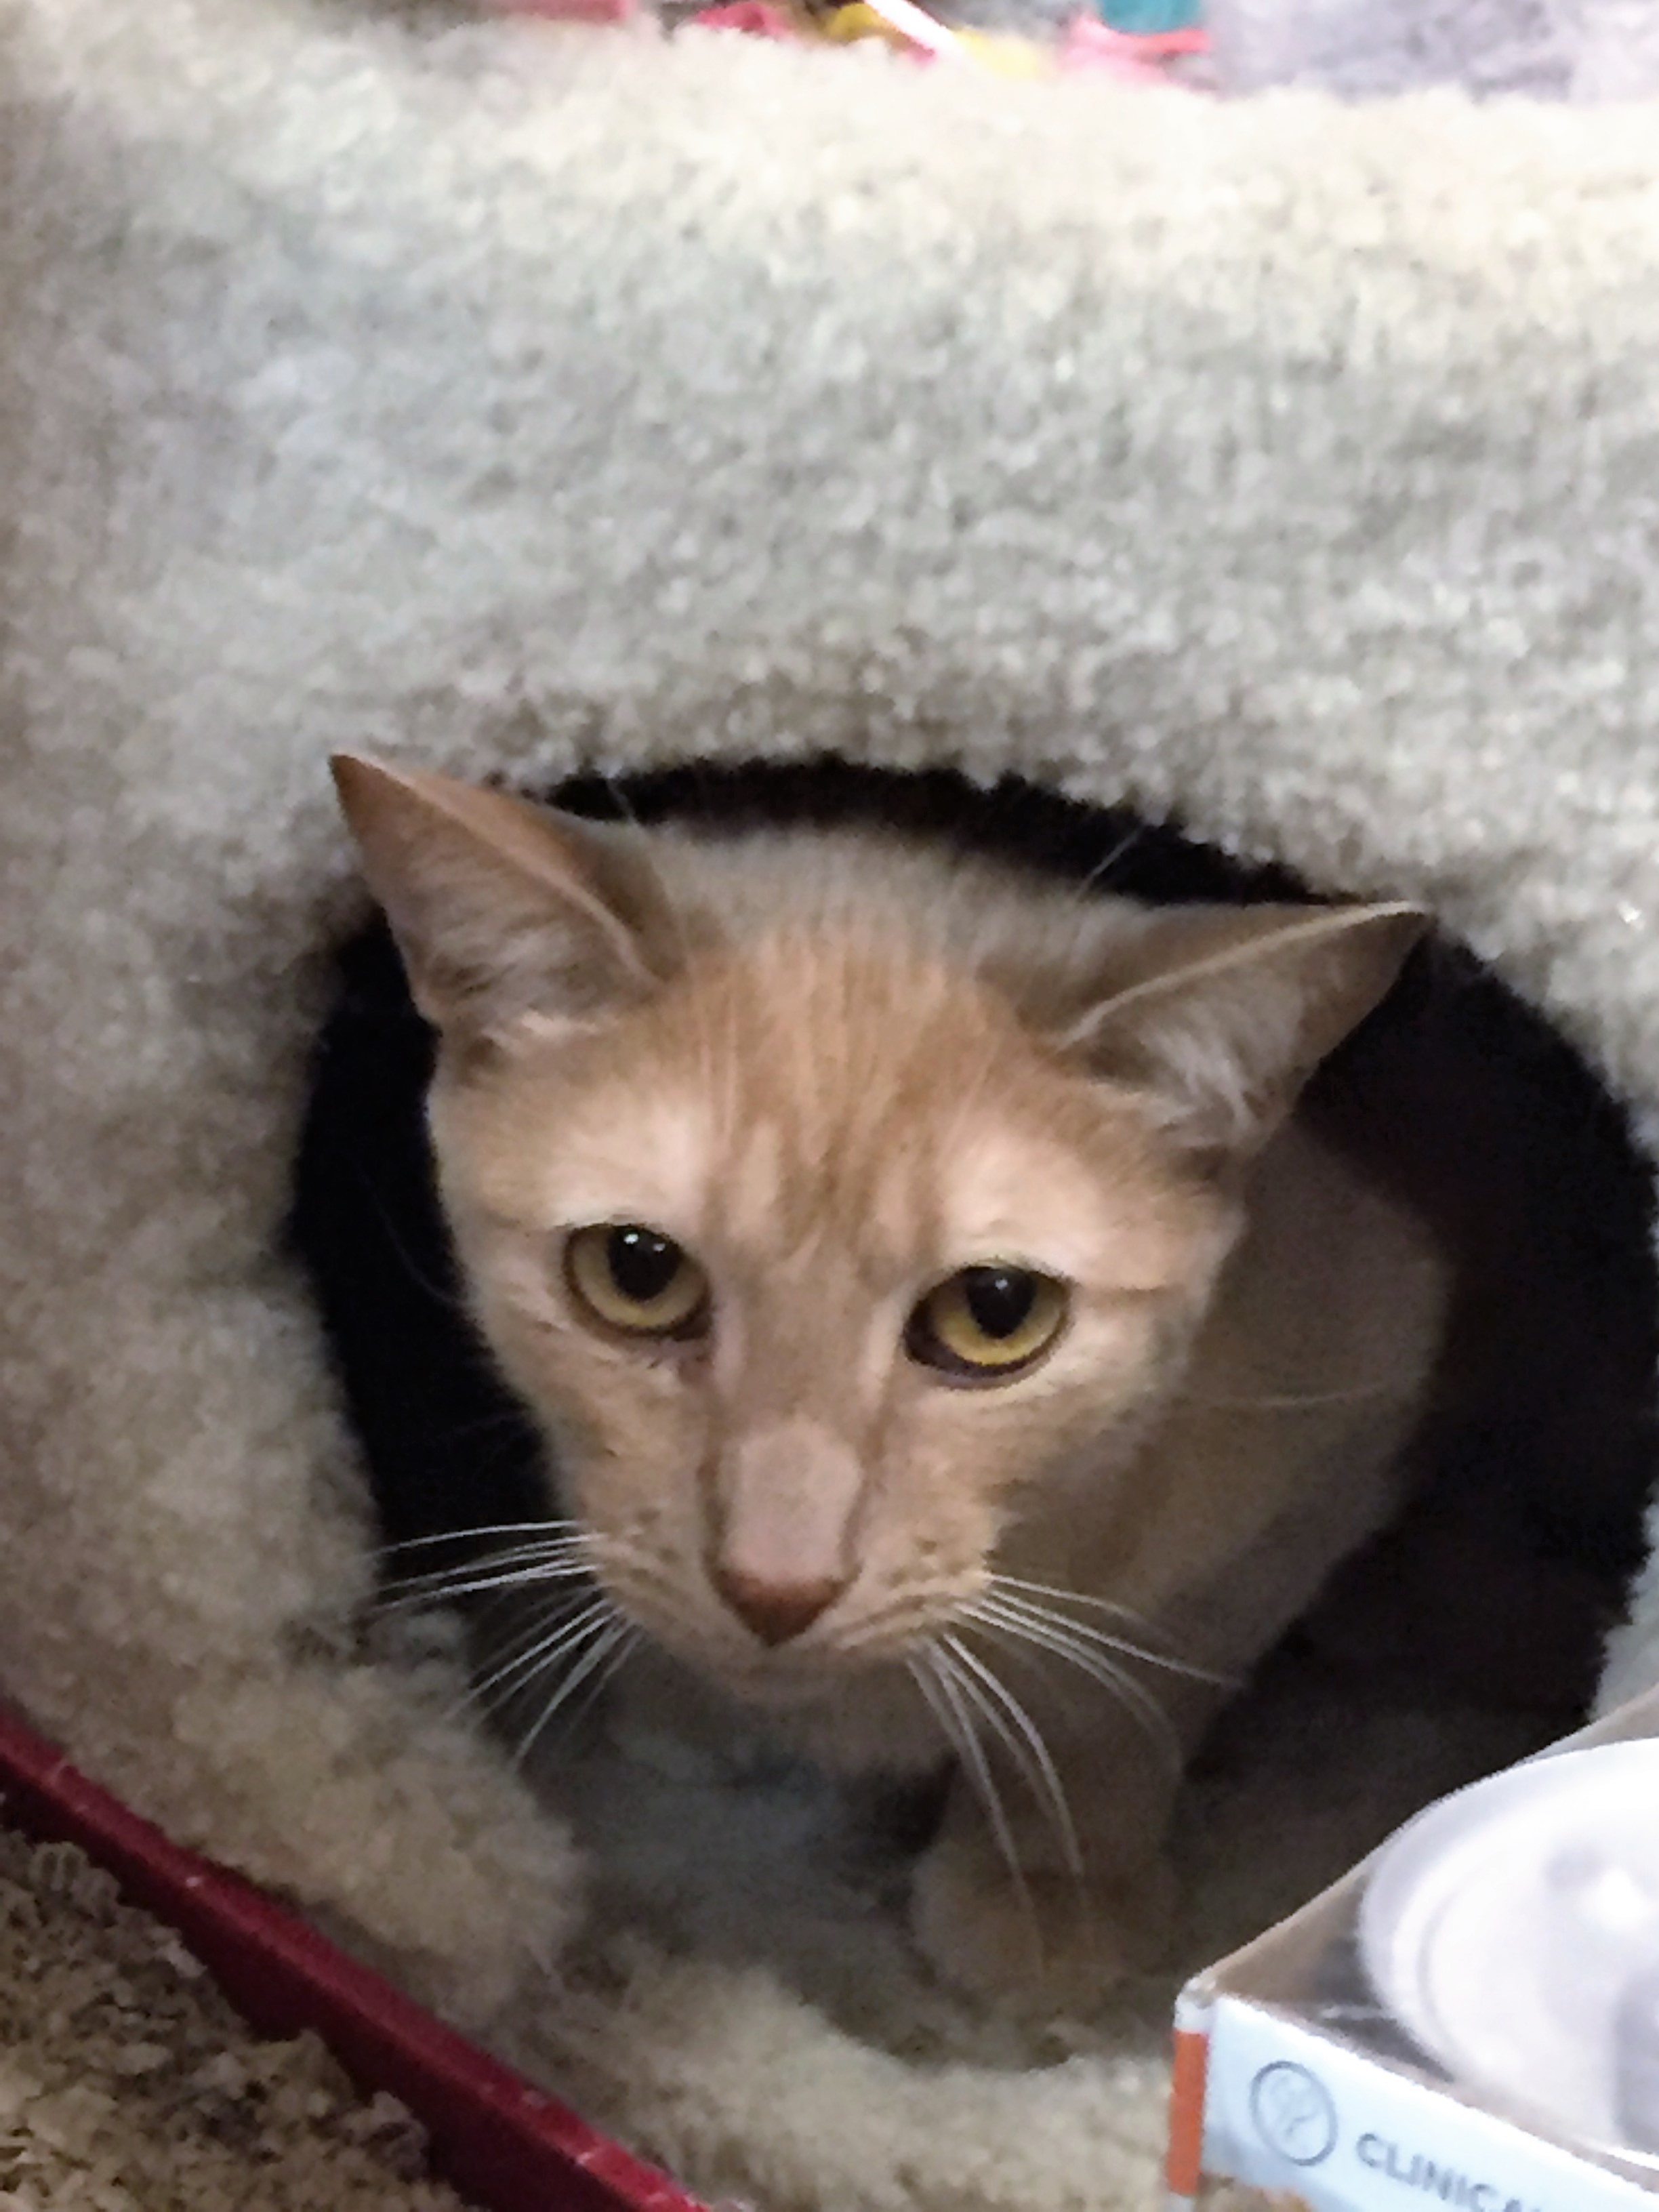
{"x":1513,"y":1931}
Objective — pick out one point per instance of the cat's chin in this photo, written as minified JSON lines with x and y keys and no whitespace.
{"x":851,"y":1740}
{"x":873,"y":1721}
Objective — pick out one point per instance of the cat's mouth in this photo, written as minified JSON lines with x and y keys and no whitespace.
{"x":791,"y":1682}
{"x":770,"y":1691}
{"x":850,"y":1713}
{"x":811,"y":1673}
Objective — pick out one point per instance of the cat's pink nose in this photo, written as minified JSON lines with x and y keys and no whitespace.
{"x":776,"y":1611}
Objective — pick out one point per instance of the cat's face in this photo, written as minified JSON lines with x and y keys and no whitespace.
{"x":819,"y":1270}
{"x":822,"y":1251}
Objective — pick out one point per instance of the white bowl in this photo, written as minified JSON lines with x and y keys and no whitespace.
{"x":1513,"y":1931}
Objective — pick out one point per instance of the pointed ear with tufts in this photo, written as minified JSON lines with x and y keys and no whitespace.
{"x":1228,"y":1010}
{"x":504,"y":912}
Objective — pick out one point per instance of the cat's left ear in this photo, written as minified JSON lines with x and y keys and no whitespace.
{"x":1227,"y":1011}
{"x":505,"y":912}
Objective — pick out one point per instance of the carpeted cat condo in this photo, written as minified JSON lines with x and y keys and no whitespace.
{"x":515,"y":401}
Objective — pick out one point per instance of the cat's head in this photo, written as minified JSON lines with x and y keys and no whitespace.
{"x":830,"y":1204}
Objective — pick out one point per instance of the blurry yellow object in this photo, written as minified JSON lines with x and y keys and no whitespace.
{"x":1004,"y":55}
{"x":856,"y":20}
{"x":900,"y":23}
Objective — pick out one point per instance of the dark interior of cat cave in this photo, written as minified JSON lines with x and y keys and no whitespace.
{"x":1467,"y":1634}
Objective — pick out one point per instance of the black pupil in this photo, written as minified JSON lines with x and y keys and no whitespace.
{"x":998,"y":1298}
{"x":642,"y":1266}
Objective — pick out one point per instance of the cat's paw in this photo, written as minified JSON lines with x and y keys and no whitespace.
{"x":1049,"y":1947}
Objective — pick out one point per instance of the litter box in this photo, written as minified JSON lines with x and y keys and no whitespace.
{"x":500,"y":2142}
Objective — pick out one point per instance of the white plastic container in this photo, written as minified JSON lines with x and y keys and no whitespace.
{"x":1470,"y":2018}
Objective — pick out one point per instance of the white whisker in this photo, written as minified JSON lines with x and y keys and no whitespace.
{"x":1024,"y":1742}
{"x":1102,"y":867}
{"x":937,"y":1679}
{"x":561,"y":1558}
{"x":537,"y":1650}
{"x":618,"y":1633}
{"x":1136,"y":1700}
{"x":548,"y":1547}
{"x":1111,"y":1605}
{"x":542,"y":1527}
{"x":1290,"y":1401}
{"x":1004,"y":1590}
{"x":487,"y":1560}
{"x":432,"y":1588}
{"x":622,"y":1651}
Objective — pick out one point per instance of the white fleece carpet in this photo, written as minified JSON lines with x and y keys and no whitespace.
{"x":513,"y":401}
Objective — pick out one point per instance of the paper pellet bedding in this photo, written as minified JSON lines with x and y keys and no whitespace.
{"x":127,"y":2082}
{"x":509,"y":400}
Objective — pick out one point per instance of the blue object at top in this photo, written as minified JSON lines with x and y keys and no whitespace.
{"x":1144,"y":15}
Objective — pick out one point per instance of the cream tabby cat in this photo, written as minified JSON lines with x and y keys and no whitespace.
{"x":948,"y":1338}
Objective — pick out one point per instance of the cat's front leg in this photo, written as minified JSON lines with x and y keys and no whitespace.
{"x":1040,"y":1913}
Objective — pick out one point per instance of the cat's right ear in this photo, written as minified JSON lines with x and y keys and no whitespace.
{"x":1218,"y":1015}
{"x":507,"y":913}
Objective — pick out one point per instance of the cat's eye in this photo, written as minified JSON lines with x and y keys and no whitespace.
{"x":988,"y":1323}
{"x":632,"y":1279}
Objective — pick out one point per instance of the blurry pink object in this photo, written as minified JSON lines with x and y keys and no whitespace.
{"x":756,"y":17}
{"x":1136,"y":57}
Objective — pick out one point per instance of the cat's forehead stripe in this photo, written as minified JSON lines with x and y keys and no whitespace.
{"x":752,"y":1191}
